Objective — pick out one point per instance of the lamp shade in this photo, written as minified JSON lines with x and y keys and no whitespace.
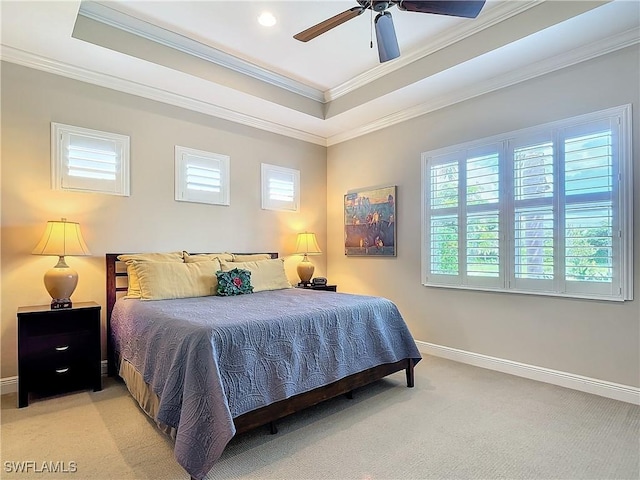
{"x":307,"y":244}
{"x":62,"y":238}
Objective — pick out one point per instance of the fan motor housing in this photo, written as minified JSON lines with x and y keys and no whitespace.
{"x":377,"y":6}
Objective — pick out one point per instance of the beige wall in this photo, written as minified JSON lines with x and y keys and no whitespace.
{"x":150,"y":219}
{"x":592,"y":338}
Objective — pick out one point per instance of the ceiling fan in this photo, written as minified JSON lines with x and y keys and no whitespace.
{"x":388,"y":48}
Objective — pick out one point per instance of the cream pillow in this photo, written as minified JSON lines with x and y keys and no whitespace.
{"x":165,"y":280}
{"x":206,"y":257}
{"x":133,"y":286}
{"x":265,"y":274}
{"x":253,"y":257}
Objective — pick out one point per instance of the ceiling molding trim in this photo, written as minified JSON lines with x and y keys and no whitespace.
{"x":37,"y":62}
{"x":109,"y":16}
{"x":558,"y":62}
{"x":493,"y":16}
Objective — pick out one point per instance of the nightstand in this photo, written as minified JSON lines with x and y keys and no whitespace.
{"x":326,"y":288}
{"x":58,"y":350}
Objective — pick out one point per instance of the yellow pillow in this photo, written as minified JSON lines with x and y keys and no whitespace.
{"x":206,"y":257}
{"x":133,"y":284}
{"x":253,"y":257}
{"x":265,"y":274}
{"x":165,"y":280}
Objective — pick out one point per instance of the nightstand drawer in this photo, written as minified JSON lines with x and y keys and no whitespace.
{"x":40,"y":325}
{"x":61,"y":378}
{"x":57,"y":349}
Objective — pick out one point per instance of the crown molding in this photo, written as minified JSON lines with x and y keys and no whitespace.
{"x":122,"y":21}
{"x":572,"y":57}
{"x":581,"y":54}
{"x":450,"y":36}
{"x":37,"y":62}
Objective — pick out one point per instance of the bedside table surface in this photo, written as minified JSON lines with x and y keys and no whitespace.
{"x":326,"y":288}
{"x":47,"y":308}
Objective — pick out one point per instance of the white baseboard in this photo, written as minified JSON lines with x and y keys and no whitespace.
{"x":10,"y":384}
{"x":624,"y":393}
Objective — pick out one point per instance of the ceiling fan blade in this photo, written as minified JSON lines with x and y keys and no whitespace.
{"x":455,"y":8}
{"x":388,"y":48}
{"x":322,"y":27}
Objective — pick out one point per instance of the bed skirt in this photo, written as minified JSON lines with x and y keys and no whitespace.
{"x":143,"y":394}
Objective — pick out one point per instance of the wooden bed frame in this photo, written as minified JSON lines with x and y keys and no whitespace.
{"x":269,"y":414}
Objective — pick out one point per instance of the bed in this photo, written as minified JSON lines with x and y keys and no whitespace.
{"x":208,"y":368}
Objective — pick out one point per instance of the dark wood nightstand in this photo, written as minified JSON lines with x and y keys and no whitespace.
{"x":58,"y":350}
{"x":326,"y":288}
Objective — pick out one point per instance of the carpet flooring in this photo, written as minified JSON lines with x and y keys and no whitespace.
{"x":459,"y":422}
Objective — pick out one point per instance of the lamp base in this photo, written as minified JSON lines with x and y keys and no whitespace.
{"x":60,"y":282}
{"x":305,"y":270}
{"x":58,"y":303}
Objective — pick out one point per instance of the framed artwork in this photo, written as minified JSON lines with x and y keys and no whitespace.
{"x":370,"y":222}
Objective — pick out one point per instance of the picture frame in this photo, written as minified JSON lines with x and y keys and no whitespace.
{"x":370,"y":222}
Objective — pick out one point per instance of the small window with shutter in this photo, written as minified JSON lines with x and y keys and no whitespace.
{"x":201,"y":177}
{"x":280,"y":188}
{"x":88,"y":160}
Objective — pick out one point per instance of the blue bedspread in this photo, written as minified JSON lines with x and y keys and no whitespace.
{"x":211,"y":359}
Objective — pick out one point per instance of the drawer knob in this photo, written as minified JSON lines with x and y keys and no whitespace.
{"x":62,"y":370}
{"x":62,"y":349}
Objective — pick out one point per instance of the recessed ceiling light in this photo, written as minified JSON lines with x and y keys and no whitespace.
{"x":266,"y":19}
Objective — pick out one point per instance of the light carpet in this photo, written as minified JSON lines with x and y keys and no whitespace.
{"x":459,"y":422}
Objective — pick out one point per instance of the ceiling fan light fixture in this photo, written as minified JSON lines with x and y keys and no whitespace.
{"x":388,"y":48}
{"x":266,"y":19}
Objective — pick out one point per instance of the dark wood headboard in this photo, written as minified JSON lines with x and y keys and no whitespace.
{"x":117,"y":282}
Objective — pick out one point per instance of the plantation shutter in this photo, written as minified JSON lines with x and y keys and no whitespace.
{"x":483,"y":227}
{"x":89,"y":160}
{"x":590,"y":225}
{"x":533,"y":220}
{"x":280,"y":188}
{"x":544,"y":210}
{"x":202,"y":177}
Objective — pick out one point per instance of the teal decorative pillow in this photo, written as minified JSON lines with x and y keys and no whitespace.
{"x":234,"y":282}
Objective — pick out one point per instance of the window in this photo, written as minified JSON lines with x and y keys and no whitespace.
{"x":201,"y":177}
{"x":545,"y":210}
{"x":89,"y":160}
{"x":280,"y":188}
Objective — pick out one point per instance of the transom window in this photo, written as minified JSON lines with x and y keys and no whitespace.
{"x":280,"y":188}
{"x":201,"y":177}
{"x":544,"y":210}
{"x":88,"y":160}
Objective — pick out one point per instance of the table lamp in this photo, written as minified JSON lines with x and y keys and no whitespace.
{"x":61,"y":238}
{"x":306,"y":245}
